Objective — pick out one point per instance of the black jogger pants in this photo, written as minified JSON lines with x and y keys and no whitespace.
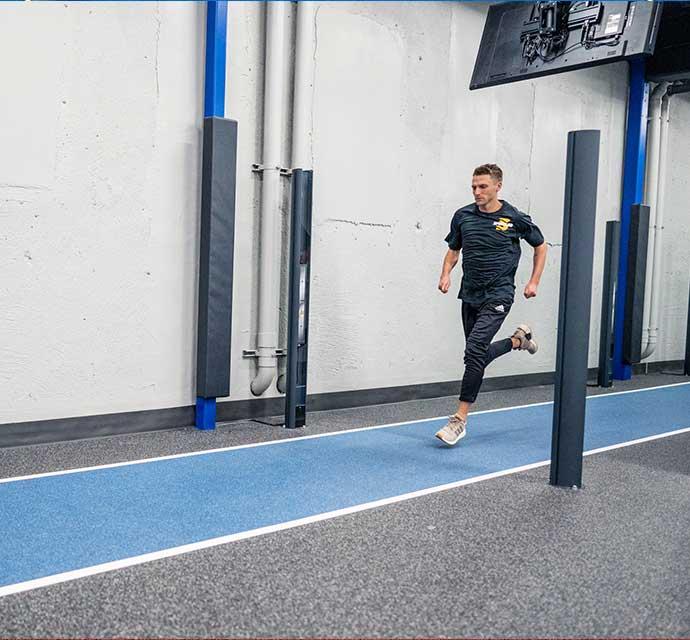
{"x":481,"y":324}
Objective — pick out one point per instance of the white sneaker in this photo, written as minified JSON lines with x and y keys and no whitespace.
{"x":454,"y":430}
{"x":524,"y":334}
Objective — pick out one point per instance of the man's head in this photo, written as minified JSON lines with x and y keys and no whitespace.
{"x":487,"y":181}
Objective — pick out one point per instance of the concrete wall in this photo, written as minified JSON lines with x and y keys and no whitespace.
{"x":99,"y":197}
{"x":397,"y":134}
{"x":675,"y":280}
{"x":99,"y":200}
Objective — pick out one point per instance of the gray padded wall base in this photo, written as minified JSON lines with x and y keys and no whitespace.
{"x":216,"y":257}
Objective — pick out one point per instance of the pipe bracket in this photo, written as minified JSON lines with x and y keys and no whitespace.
{"x":254,"y":353}
{"x":260,"y":168}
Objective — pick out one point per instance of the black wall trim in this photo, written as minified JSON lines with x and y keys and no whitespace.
{"x":64,"y":429}
{"x":109,"y":424}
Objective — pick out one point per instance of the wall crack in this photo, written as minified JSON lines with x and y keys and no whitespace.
{"x":357,"y":223}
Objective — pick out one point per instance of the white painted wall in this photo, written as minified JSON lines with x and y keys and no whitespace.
{"x":676,"y":235}
{"x":397,"y":134}
{"x":99,"y":197}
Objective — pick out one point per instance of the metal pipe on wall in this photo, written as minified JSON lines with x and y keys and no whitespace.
{"x":651,"y":182}
{"x":305,"y":49}
{"x":657,"y":186}
{"x":269,"y":263}
{"x":303,"y":101}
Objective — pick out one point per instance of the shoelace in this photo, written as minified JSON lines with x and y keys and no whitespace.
{"x":456,"y":425}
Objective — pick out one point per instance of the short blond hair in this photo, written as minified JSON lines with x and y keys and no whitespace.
{"x":492,"y":170}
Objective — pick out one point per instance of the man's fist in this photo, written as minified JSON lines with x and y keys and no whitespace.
{"x":530,"y":290}
{"x":444,"y":284}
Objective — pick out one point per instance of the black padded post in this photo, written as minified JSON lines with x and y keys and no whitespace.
{"x":298,"y":314}
{"x":613,"y":232}
{"x":637,"y":275}
{"x":579,"y":216}
{"x":216,"y":257}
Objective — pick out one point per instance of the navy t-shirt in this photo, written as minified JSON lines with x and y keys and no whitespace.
{"x":490,"y":244}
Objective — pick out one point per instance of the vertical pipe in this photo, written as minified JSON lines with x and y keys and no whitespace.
{"x":633,"y":183}
{"x":214,"y":105}
{"x":650,"y":189}
{"x":572,"y":350}
{"x":658,"y":257}
{"x":607,"y":296}
{"x":305,"y":44}
{"x":303,"y":100}
{"x":269,"y":259}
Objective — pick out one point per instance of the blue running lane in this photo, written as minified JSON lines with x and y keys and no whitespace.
{"x":55,"y":524}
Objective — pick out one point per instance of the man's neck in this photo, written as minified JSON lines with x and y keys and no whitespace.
{"x":491,"y":207}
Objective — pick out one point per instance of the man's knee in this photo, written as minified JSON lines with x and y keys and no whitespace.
{"x":475,"y":353}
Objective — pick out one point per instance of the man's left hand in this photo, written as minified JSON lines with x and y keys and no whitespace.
{"x":530,"y":290}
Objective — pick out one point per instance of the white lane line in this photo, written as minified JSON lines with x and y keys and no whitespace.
{"x":300,"y":438}
{"x":249,"y":446}
{"x":629,"y":443}
{"x":67,"y":576}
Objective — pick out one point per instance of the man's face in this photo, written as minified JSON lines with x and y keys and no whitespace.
{"x":485,"y":189}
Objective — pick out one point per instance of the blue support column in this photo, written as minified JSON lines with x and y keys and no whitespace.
{"x":205,"y":413}
{"x":216,"y":46}
{"x":633,"y":192}
{"x":214,"y":105}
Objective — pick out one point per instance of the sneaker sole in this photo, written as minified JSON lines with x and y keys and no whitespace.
{"x":460,"y":437}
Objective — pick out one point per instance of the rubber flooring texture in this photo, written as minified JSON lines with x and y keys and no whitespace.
{"x":510,"y":556}
{"x":67,"y":522}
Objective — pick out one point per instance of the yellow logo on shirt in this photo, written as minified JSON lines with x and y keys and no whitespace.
{"x":503,"y":224}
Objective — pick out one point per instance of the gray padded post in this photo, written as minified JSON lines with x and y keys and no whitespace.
{"x":574,"y":307}
{"x":216,"y":257}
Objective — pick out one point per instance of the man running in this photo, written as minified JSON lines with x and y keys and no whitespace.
{"x":488,"y":232}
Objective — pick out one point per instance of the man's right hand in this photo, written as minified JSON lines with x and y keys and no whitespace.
{"x":444,"y":284}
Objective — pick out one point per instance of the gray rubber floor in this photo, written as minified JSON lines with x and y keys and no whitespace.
{"x":509,"y":557}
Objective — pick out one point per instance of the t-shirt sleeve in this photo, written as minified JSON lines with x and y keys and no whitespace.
{"x":530,"y":232}
{"x":454,"y":238}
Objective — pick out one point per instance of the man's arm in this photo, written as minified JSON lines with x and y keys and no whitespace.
{"x":538,"y":263}
{"x":449,"y":262}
